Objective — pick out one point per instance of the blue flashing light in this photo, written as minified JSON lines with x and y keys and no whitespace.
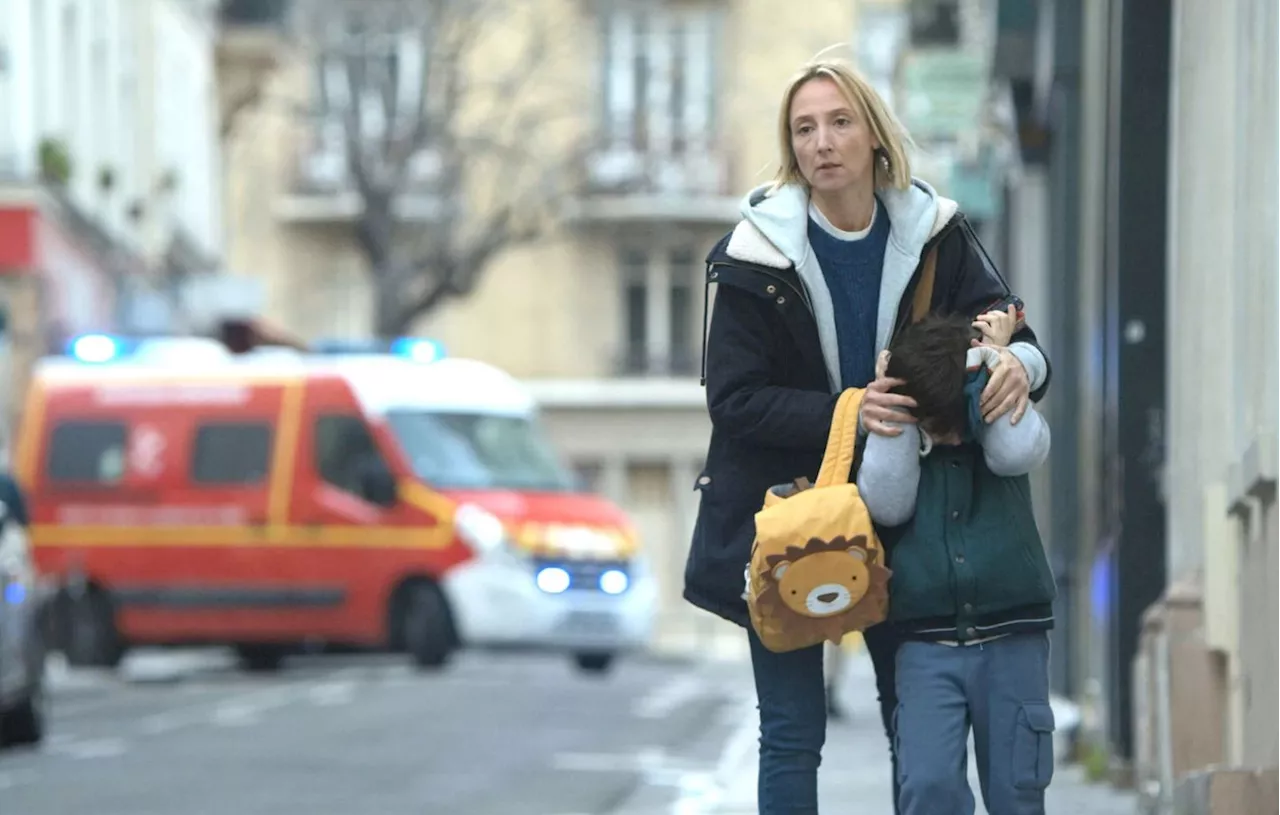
{"x":15,"y":593}
{"x":414,"y":349}
{"x":418,"y":349}
{"x":96,"y":348}
{"x":349,"y":347}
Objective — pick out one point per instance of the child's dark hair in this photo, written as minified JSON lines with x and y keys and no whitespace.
{"x":930,"y":357}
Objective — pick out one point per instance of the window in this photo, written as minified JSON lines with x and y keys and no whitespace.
{"x":231,"y":453}
{"x":70,"y":57}
{"x":589,"y":475}
{"x":364,"y":67}
{"x":385,"y":69}
{"x":87,"y":452}
{"x":635,"y":293}
{"x":345,"y":451}
{"x":253,"y":12}
{"x":478,"y":451}
{"x":658,"y":79}
{"x":936,"y":23}
{"x":880,"y":38}
{"x":681,"y":301}
{"x":660,"y":307}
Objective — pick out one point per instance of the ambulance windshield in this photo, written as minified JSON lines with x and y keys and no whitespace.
{"x":478,"y":451}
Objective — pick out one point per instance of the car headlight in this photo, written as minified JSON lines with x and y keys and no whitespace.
{"x":614,"y":581}
{"x":479,"y":528}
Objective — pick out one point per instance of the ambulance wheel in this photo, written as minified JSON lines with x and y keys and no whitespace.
{"x":593,"y":662}
{"x":427,"y":626}
{"x":257,"y":658}
{"x":91,"y":637}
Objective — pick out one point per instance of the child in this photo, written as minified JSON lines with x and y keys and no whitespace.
{"x":971,"y":592}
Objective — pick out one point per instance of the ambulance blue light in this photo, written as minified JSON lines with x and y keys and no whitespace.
{"x":96,"y":348}
{"x":418,"y":349}
{"x":342,"y":346}
{"x":15,"y":593}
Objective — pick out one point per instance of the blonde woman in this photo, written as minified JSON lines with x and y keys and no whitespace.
{"x":812,"y":284}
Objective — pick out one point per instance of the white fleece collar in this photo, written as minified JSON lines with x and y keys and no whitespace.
{"x":748,"y":244}
{"x":774,"y":233}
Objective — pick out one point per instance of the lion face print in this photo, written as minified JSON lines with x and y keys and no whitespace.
{"x":824,"y":583}
{"x":823,"y":588}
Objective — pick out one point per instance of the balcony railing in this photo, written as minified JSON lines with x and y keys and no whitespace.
{"x":636,"y":361}
{"x":322,"y":165}
{"x":322,"y":185}
{"x":626,"y":169}
{"x":264,"y":13}
{"x":623,"y":182}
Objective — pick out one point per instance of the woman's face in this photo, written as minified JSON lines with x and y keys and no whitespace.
{"x":833,"y":145}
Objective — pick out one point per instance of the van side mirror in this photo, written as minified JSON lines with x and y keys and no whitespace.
{"x":377,"y":484}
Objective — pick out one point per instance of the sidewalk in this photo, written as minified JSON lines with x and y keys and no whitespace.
{"x":854,"y":778}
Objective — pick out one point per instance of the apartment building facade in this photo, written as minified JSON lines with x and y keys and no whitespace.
{"x":109,"y":171}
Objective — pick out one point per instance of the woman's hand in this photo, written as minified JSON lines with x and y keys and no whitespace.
{"x":1008,"y":389}
{"x":996,"y":326}
{"x":881,"y":410}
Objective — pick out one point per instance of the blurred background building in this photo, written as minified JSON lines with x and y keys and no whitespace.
{"x":110,"y":169}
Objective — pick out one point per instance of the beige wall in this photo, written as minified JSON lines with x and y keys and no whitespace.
{"x":555,"y":309}
{"x":1223,"y":251}
{"x":764,"y":47}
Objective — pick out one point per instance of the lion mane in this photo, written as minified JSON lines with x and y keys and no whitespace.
{"x":868,"y":611}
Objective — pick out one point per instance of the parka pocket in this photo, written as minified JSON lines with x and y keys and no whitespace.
{"x":721,"y":518}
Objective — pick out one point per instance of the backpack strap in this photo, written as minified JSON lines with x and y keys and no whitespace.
{"x":841,"y":441}
{"x":924,"y":290}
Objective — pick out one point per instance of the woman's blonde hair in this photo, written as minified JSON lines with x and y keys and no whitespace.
{"x":886,"y":128}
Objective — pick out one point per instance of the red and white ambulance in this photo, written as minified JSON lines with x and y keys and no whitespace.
{"x":183,"y":494}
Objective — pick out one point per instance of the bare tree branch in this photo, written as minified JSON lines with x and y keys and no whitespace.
{"x":494,"y":176}
{"x":237,"y":104}
{"x":353,"y":129}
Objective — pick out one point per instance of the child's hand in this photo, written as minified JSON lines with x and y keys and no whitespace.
{"x":996,"y":326}
{"x":882,"y":363}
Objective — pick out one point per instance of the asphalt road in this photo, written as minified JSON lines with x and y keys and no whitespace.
{"x":493,"y":734}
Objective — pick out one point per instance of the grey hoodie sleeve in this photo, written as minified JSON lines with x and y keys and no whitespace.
{"x":890,"y":474}
{"x":1033,"y":361}
{"x":1016,"y":449}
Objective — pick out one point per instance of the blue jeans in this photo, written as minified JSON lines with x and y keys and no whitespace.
{"x":1001,"y":690}
{"x":793,"y":719}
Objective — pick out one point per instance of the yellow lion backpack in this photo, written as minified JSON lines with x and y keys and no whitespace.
{"x":817,"y":569}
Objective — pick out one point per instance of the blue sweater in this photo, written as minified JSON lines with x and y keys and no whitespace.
{"x":852,"y":269}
